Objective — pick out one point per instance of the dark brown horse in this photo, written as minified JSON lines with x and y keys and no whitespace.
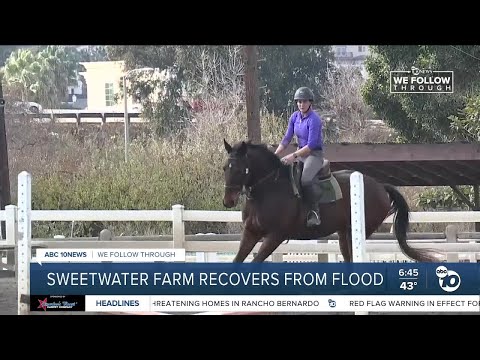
{"x":274,"y":213}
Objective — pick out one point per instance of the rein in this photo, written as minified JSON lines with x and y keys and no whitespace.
{"x":247,"y":190}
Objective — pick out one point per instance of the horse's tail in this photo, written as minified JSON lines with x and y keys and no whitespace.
{"x":401,"y":212}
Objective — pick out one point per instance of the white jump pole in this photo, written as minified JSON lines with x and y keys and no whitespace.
{"x":24,"y":252}
{"x":357,"y":207}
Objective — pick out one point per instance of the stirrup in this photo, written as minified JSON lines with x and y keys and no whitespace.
{"x":313,"y":221}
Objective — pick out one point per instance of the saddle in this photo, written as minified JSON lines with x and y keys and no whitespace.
{"x":327,"y":185}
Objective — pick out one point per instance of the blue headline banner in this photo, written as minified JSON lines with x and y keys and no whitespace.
{"x":255,"y":279}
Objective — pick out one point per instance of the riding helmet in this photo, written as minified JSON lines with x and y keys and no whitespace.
{"x":303,"y":93}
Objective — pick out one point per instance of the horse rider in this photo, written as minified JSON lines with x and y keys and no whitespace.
{"x":306,"y":124}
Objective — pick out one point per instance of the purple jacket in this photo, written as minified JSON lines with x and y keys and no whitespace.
{"x":308,"y":130}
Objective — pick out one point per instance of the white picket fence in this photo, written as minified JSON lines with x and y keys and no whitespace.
{"x":19,"y":220}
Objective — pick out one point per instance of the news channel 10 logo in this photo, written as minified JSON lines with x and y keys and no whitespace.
{"x":448,"y":280}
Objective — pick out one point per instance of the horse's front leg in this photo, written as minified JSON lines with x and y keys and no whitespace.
{"x":345,"y":241}
{"x":269,"y":244}
{"x":249,"y":239}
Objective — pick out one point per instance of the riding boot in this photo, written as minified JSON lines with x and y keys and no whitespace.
{"x":311,"y":199}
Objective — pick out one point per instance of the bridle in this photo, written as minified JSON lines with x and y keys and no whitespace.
{"x":247,"y":190}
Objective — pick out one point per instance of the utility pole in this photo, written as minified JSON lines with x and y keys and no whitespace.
{"x":252,"y":94}
{"x":4,"y":173}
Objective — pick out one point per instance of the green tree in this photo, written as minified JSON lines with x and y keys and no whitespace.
{"x":467,"y":122}
{"x":41,"y":75}
{"x":59,"y":70}
{"x":92,"y":53}
{"x":283,"y":69}
{"x":422,"y":117}
{"x":5,"y":51}
{"x":21,"y":72}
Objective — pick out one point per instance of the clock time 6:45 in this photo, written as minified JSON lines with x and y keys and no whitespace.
{"x":408,"y":272}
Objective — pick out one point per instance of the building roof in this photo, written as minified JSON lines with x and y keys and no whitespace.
{"x":444,"y":164}
{"x":102,"y":65}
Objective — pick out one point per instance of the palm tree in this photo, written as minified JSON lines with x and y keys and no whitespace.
{"x":59,"y":70}
{"x":42,"y":76}
{"x":20,"y":72}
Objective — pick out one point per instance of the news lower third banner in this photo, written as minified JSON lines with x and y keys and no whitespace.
{"x":249,"y":287}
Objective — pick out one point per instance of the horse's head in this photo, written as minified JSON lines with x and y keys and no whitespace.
{"x":236,"y":172}
{"x":248,"y":166}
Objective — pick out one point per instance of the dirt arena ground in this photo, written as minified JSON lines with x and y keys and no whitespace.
{"x":8,"y":296}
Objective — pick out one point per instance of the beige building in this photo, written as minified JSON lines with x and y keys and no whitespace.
{"x":351,"y":55}
{"x":104,"y":85}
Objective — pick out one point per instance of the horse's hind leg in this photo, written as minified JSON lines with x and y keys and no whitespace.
{"x":269,"y":244}
{"x":345,"y":241}
{"x":247,"y":243}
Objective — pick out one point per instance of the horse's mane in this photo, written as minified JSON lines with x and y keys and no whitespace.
{"x":262,"y":149}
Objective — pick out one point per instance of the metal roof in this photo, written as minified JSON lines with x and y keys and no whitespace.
{"x":445,"y":164}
